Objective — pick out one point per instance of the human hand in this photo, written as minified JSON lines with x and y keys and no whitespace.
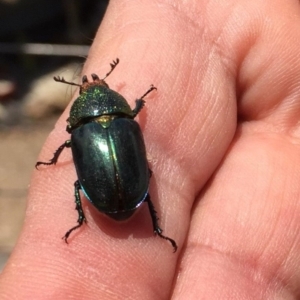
{"x":222,"y":135}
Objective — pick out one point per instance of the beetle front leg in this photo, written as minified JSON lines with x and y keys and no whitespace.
{"x":81,"y":216}
{"x":57,"y":153}
{"x":139,"y":103}
{"x":157,"y":230}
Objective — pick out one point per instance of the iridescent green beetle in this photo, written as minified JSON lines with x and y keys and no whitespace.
{"x":108,"y":152}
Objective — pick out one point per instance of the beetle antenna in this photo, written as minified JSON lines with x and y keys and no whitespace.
{"x":62,"y":80}
{"x":112,"y":66}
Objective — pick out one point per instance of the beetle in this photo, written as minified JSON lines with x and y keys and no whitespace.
{"x":108,"y":151}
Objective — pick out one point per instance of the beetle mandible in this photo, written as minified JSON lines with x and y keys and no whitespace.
{"x":108,"y":152}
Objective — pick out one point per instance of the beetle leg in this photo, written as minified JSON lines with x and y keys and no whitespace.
{"x":152,"y":87}
{"x":57,"y":153}
{"x":140,"y":102}
{"x":81,"y":216}
{"x":157,"y":230}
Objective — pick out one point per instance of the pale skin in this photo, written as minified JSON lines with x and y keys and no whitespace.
{"x":223,"y":141}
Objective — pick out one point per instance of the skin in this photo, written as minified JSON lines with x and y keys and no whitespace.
{"x":223,"y":141}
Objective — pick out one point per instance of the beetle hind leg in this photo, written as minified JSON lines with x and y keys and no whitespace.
{"x":157,"y":230}
{"x":81,"y":216}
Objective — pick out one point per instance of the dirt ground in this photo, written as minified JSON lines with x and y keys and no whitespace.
{"x":19,"y":149}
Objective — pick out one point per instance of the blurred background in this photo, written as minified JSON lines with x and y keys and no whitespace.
{"x":38,"y":40}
